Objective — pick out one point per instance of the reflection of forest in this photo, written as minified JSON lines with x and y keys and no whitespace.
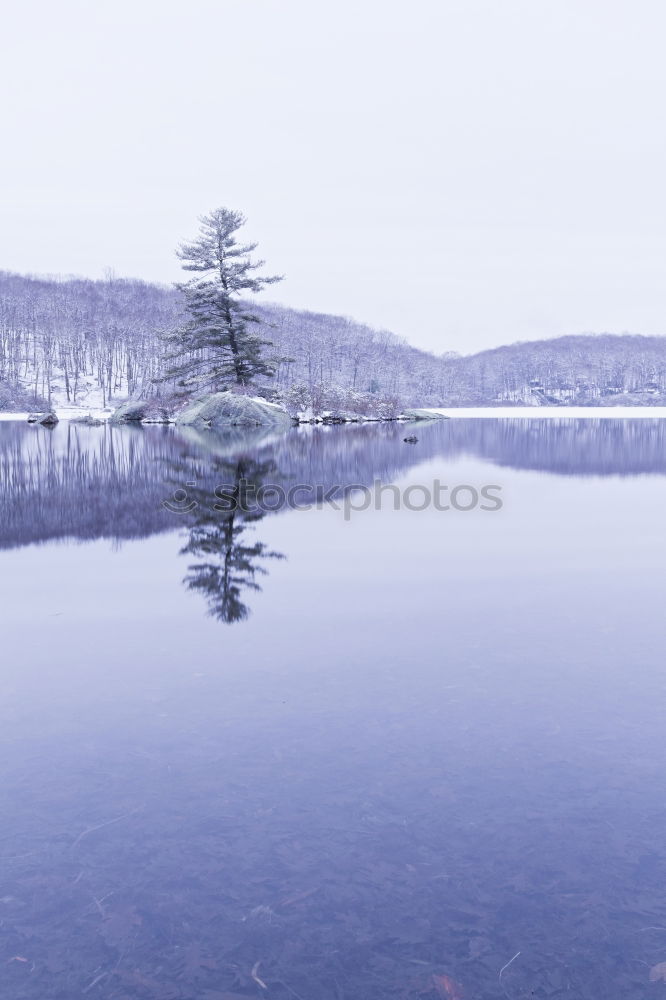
{"x":109,"y":482}
{"x":583,"y":447}
{"x":79,"y":482}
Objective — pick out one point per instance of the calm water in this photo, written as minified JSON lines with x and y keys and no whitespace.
{"x":346,"y":754}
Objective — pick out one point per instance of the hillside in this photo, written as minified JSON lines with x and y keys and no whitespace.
{"x":88,"y":344}
{"x":601,"y":369}
{"x":93,"y":343}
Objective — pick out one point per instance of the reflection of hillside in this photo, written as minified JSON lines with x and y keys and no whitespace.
{"x":79,"y":482}
{"x":360,"y":454}
{"x":583,"y":447}
{"x":109,"y":482}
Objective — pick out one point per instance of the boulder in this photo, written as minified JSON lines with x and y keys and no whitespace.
{"x":341,"y":417}
{"x":138,"y":411}
{"x":417,"y":414}
{"x":88,"y":421}
{"x":218,"y":410}
{"x":48,"y":419}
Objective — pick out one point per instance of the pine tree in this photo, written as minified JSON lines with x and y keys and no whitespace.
{"x":216,"y":347}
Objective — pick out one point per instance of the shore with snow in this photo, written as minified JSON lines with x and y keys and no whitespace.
{"x":459,"y":412}
{"x":550,"y":412}
{"x":66,"y":413}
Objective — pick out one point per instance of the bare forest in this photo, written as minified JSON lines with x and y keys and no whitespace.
{"x":86,"y":343}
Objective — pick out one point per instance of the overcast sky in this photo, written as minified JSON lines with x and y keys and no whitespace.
{"x":463,"y":172}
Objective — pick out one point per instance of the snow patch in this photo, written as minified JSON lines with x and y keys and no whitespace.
{"x":550,"y":412}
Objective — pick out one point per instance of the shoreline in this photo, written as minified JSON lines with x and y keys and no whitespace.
{"x":548,"y":412}
{"x":69,"y":413}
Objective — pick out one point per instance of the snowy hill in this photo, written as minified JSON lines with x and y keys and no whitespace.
{"x":88,"y":345}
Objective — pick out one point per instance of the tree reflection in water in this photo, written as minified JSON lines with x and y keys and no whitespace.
{"x":85,"y":484}
{"x":220,"y":538}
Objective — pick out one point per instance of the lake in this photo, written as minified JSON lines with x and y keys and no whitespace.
{"x":414,"y":750}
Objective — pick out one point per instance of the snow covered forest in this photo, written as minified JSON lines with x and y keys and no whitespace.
{"x":593,"y":369}
{"x":94,"y":343}
{"x":90,"y":343}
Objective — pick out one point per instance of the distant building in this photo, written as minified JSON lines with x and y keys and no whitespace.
{"x":589,"y":389}
{"x":565,"y":392}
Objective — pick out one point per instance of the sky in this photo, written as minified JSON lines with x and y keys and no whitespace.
{"x":465,"y":173}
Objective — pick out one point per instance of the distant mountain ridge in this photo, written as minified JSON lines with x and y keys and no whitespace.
{"x":87,"y":343}
{"x":599,"y":369}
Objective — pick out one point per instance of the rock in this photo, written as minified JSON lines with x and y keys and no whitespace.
{"x":48,"y":419}
{"x":341,"y":417}
{"x":138,"y":411}
{"x":424,"y":415}
{"x":131,"y":412}
{"x":88,"y":421}
{"x":225,"y":409}
{"x":410,"y":439}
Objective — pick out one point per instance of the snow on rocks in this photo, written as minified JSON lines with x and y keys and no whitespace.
{"x":48,"y":419}
{"x":142,"y":411}
{"x":227,"y":409}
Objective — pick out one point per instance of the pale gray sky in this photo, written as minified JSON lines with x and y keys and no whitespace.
{"x":463,"y":172}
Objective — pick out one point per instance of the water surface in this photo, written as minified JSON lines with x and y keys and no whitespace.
{"x":366,"y":750}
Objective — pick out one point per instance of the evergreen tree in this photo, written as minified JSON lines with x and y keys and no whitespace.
{"x":216,"y":347}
